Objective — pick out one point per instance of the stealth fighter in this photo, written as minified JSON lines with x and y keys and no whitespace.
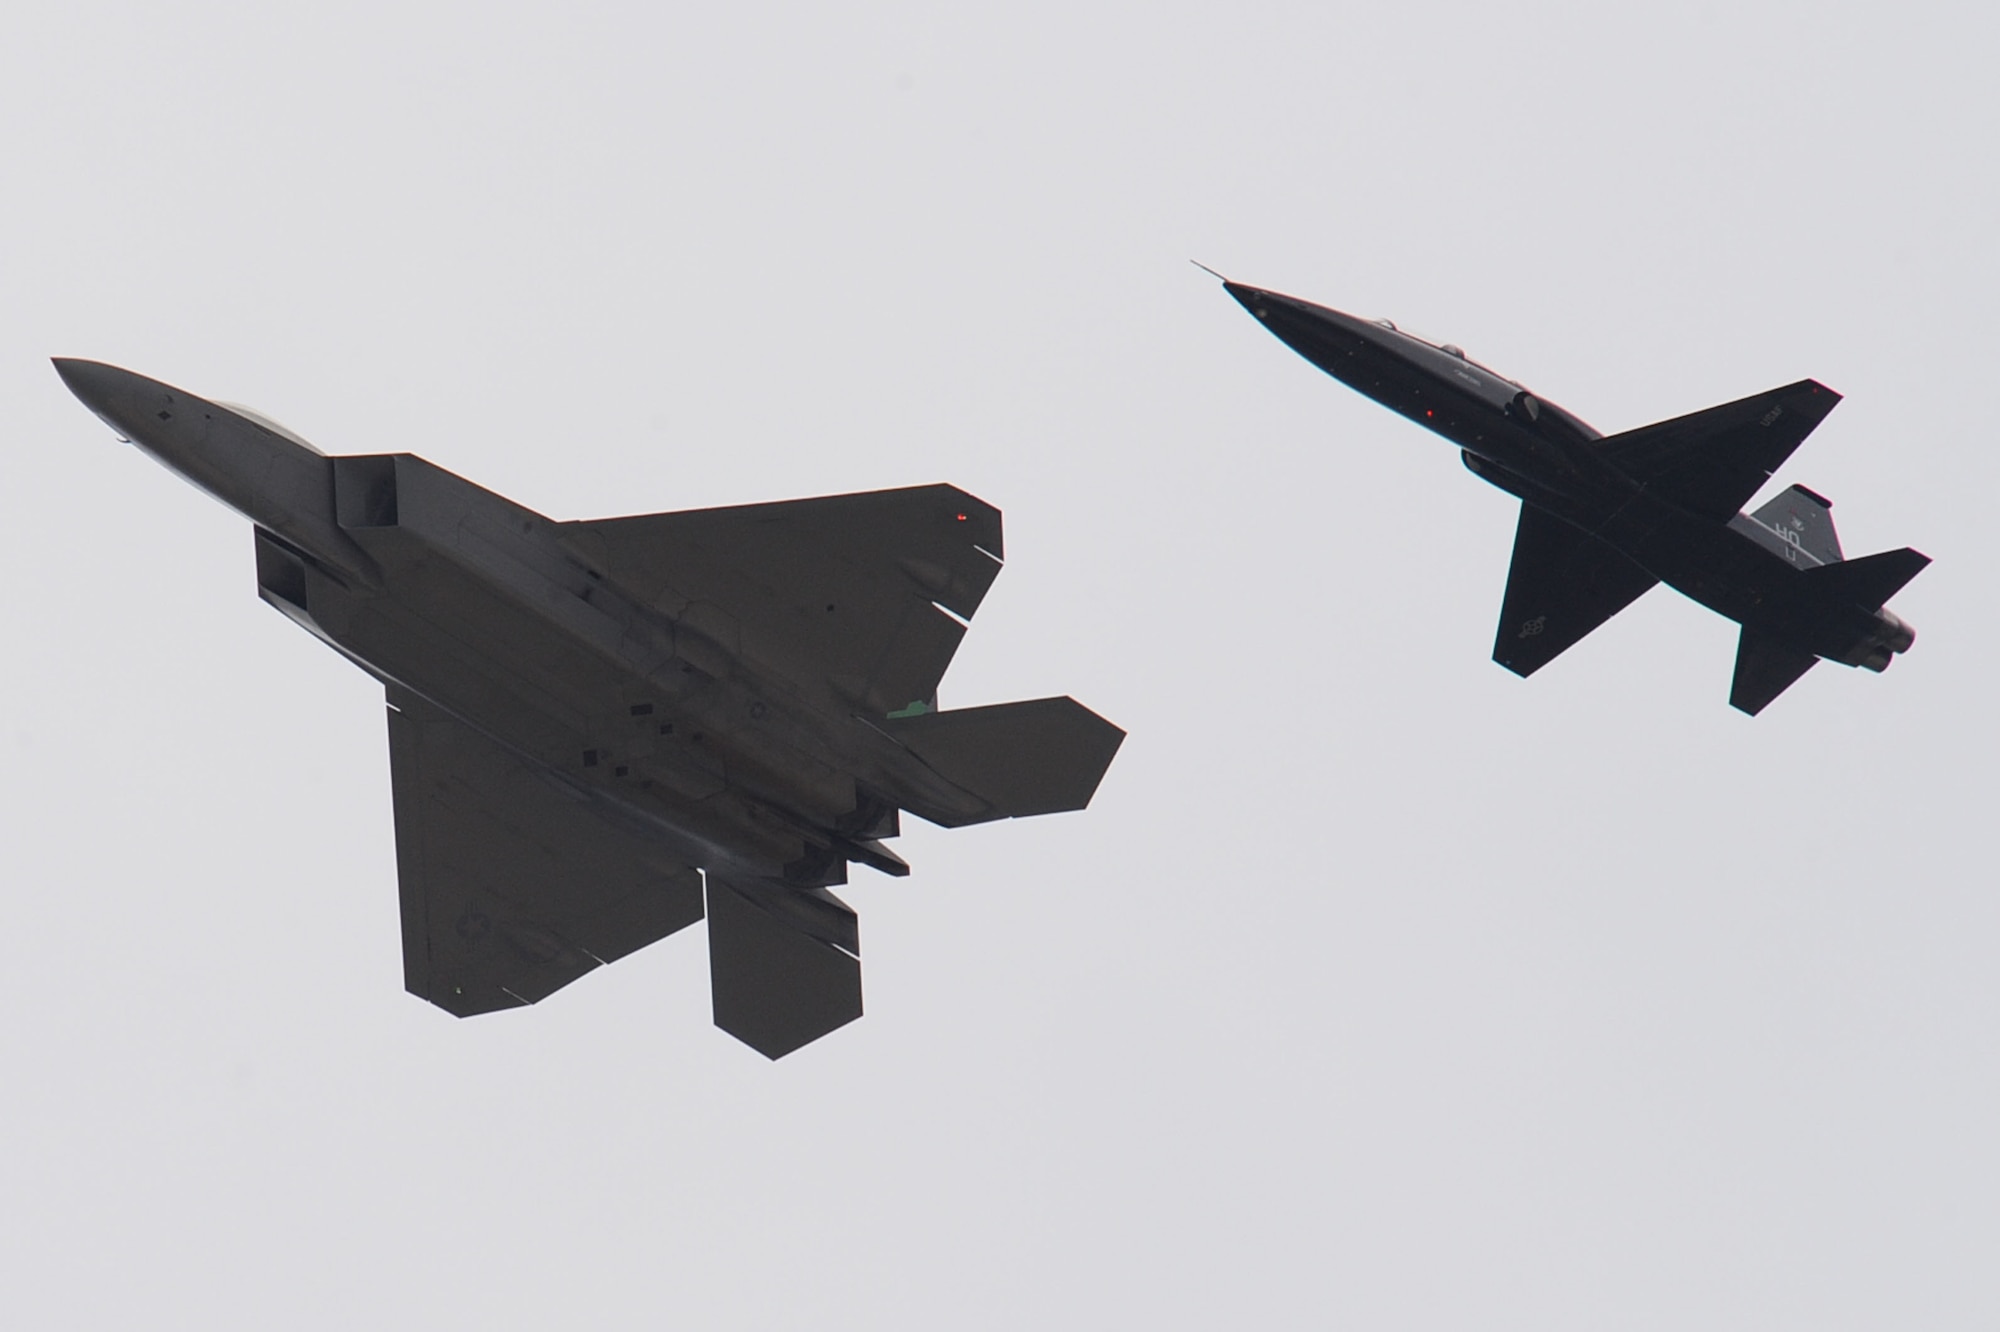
{"x":1604,"y":518}
{"x":601,"y":732}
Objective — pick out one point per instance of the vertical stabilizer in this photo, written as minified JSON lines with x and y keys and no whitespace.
{"x":1797,"y":525}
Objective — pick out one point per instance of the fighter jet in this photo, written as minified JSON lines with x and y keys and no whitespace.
{"x":1605,"y":518}
{"x":600,"y":732}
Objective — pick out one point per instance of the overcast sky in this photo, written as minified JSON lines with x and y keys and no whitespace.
{"x":1377,"y":989}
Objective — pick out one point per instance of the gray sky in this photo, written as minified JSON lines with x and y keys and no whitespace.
{"x":1378,"y":989}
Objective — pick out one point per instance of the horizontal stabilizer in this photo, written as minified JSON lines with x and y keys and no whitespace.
{"x":1711,"y":462}
{"x":1765,"y":668}
{"x":1038,"y":757}
{"x":783,"y":962}
{"x":1562,"y":584}
{"x":1870,"y":580}
{"x":512,"y":885}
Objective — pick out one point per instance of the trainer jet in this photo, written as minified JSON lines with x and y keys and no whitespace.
{"x":600,"y":732}
{"x":1605,"y":518}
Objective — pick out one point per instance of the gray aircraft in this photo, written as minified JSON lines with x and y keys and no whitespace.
{"x":1603,"y":519}
{"x":597,"y":727}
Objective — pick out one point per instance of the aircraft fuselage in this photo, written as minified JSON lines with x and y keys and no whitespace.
{"x":650,"y":717}
{"x":1549,"y":458}
{"x":600,"y":731}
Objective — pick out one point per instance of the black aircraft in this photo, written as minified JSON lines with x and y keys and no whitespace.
{"x":601,"y":731}
{"x":1605,"y":518}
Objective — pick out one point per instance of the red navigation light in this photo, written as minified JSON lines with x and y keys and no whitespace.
{"x":961,"y":517}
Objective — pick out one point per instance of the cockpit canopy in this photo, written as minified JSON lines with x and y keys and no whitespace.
{"x":1449,"y":349}
{"x":256,"y":417}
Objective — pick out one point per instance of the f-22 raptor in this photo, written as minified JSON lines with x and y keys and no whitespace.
{"x":600,"y":732}
{"x":1603,"y":519}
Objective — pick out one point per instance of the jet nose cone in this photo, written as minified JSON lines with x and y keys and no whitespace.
{"x":1324,"y":337}
{"x":101,"y":387}
{"x":118,"y":397}
{"x":1276,"y":309}
{"x":1253,"y":299}
{"x":86,"y":379}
